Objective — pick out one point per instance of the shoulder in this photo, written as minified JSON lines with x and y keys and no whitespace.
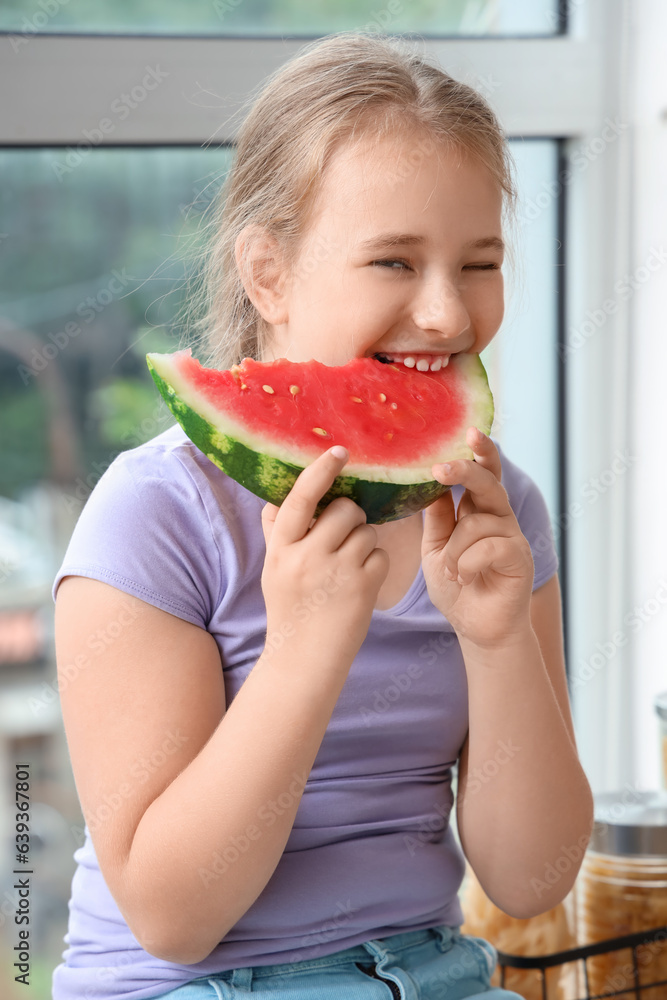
{"x":165,"y":524}
{"x":170,"y":471}
{"x":170,"y":457}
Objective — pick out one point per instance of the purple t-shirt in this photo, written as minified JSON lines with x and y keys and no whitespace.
{"x":371,"y":852}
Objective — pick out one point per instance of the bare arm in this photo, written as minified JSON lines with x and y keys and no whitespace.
{"x":168,"y":777}
{"x":524,"y":805}
{"x":148,"y":732}
{"x":524,"y":809}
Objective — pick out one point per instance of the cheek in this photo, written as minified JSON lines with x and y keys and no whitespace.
{"x":496,"y":312}
{"x":487,"y":306}
{"x":385,"y":292}
{"x":329,"y":281}
{"x":376,"y":304}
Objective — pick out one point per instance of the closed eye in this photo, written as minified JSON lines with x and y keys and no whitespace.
{"x":396,"y":263}
{"x":390,"y":262}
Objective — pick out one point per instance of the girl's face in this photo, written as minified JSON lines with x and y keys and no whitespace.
{"x":402,"y":258}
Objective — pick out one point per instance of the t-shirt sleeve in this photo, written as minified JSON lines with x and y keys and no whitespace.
{"x":145,"y":530}
{"x":532,"y":514}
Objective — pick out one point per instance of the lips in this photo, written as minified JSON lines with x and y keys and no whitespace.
{"x":422,"y":362}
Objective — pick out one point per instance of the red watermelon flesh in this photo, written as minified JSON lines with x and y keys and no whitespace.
{"x":381,"y":417}
{"x":262,"y":423}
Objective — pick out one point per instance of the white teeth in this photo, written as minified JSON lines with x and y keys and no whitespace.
{"x":422,"y":364}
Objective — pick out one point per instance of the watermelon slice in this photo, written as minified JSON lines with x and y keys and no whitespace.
{"x":262,"y":423}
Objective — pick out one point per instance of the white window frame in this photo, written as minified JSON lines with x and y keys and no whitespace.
{"x":56,"y":86}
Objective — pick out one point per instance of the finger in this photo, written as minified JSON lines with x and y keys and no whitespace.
{"x":376,"y":567}
{"x":337,"y":521}
{"x":269,"y":511}
{"x":466,"y":506}
{"x":485,"y":451}
{"x":471,"y":529}
{"x":484,"y":489}
{"x":485,"y":454}
{"x":503,"y":555}
{"x":359,"y":542}
{"x":439,"y":523}
{"x":297,"y":510}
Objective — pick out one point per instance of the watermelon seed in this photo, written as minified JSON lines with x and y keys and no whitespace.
{"x":294,"y":389}
{"x":267,"y":388}
{"x":320,"y":431}
{"x":394,"y":406}
{"x":355,"y":399}
{"x":243,"y":385}
{"x":382,"y":397}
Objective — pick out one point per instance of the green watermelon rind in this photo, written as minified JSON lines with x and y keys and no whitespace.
{"x":271,"y":478}
{"x":479,"y":413}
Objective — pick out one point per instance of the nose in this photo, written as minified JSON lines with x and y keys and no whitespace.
{"x":439,"y":308}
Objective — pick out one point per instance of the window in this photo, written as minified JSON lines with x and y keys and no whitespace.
{"x":96,"y":262}
{"x":294,"y":17}
{"x":94,"y":247}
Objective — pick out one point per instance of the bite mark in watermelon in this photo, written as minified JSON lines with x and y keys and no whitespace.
{"x":263,"y":422}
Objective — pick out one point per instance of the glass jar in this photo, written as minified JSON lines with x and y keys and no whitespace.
{"x":623,"y":889}
{"x":661,"y":709}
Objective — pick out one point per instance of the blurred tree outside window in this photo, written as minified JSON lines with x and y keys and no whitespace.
{"x":94,"y":270}
{"x":286,"y":17}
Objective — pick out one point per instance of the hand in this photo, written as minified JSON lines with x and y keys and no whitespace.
{"x":477,"y":564}
{"x":321,"y":578}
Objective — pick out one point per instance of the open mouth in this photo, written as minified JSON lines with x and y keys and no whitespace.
{"x":422,"y":362}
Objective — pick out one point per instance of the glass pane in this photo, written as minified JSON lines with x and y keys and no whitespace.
{"x":94,"y":263}
{"x":93,"y":266}
{"x":280,"y":17}
{"x":93,"y":258}
{"x":522,"y":358}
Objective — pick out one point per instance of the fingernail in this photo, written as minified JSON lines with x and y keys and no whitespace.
{"x":339,"y":452}
{"x":447,"y":468}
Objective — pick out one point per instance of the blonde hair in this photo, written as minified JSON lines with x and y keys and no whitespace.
{"x":341,"y":88}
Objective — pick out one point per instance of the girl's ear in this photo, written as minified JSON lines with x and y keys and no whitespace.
{"x":260,"y":260}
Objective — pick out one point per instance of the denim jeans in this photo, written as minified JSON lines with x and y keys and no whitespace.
{"x":438,"y":963}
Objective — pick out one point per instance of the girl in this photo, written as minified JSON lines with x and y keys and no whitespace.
{"x":273,"y":817}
